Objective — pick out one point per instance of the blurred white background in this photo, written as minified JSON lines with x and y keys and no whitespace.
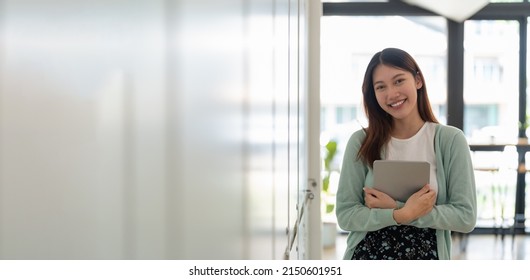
{"x":152,"y":129}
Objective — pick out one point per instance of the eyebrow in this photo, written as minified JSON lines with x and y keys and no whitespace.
{"x":393,"y":78}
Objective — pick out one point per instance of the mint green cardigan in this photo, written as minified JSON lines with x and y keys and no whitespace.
{"x":456,"y":204}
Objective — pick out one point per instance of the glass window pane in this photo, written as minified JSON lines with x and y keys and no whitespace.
{"x":491,"y":91}
{"x":496,"y":180}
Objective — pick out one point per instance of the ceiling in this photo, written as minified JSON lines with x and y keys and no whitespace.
{"x":456,"y":10}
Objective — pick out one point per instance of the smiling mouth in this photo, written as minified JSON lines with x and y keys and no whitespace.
{"x":397,"y":104}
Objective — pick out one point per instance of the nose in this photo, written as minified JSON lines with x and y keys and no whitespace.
{"x":394,"y":92}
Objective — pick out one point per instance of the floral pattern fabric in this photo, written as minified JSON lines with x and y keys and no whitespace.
{"x":398,"y":243}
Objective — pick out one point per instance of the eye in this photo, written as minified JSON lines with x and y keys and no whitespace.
{"x":399,"y":81}
{"x":379,"y":87}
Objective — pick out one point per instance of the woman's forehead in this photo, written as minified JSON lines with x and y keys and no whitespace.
{"x":383,"y":71}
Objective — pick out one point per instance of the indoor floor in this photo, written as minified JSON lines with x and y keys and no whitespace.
{"x":474,"y":247}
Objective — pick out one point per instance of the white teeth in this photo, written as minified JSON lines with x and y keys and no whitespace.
{"x":397,"y":103}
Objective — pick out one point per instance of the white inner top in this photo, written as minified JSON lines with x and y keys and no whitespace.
{"x":419,"y":147}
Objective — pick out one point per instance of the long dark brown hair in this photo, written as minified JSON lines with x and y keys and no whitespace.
{"x":380,"y":123}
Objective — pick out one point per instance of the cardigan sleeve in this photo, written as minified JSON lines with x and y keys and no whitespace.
{"x":352,"y":214}
{"x":456,"y":210}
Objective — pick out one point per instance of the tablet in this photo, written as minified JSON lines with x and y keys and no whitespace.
{"x":400,"y":179}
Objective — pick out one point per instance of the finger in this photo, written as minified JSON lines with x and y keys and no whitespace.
{"x":370,"y":195}
{"x":434,"y":196}
{"x":368,"y":192}
{"x":430,"y":195}
{"x":372,"y":191}
{"x":422,"y":190}
{"x":431,"y":198}
{"x":432,"y":192}
{"x":430,"y":188}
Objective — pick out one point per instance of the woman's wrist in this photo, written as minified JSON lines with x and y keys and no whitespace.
{"x":401,"y":216}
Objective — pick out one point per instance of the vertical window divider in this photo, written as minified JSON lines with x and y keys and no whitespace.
{"x":455,"y":74}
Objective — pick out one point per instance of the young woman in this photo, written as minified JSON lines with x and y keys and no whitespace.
{"x":401,"y":126}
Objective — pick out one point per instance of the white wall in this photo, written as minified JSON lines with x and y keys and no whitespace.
{"x":153,"y":129}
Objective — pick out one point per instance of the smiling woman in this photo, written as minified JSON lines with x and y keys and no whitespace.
{"x":402,"y":126}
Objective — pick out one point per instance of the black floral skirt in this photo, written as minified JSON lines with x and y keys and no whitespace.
{"x":398,"y":243}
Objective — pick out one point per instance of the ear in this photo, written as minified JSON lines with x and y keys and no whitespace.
{"x":419,"y":84}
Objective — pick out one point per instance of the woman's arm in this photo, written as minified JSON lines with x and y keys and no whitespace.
{"x":352,"y":213}
{"x":459,"y":212}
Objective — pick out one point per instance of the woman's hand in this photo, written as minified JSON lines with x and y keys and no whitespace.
{"x":418,"y":205}
{"x":377,"y":199}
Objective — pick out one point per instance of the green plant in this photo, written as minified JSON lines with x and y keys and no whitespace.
{"x":524,"y":126}
{"x":331,"y":151}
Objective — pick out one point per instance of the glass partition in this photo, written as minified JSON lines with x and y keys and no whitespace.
{"x":491,"y":83}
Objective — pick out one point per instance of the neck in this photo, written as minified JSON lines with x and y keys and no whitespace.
{"x":406,"y":129}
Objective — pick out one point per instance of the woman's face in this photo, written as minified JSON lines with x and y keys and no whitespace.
{"x":396,"y":91}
